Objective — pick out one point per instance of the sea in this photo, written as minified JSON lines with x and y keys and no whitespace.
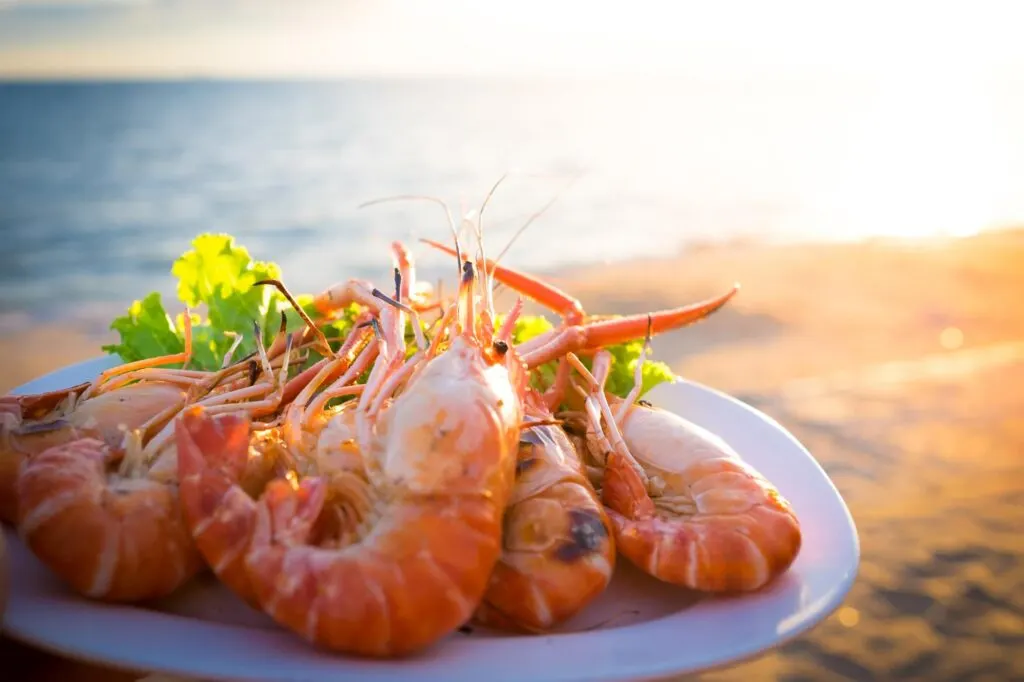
{"x":104,"y":184}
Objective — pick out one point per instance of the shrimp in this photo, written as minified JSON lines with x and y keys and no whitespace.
{"x":106,"y":518}
{"x":558,"y":553}
{"x":104,"y":410}
{"x":107,"y":408}
{"x":218,"y":455}
{"x":25,"y":432}
{"x":214,"y":455}
{"x":685,"y":507}
{"x":440,"y":462}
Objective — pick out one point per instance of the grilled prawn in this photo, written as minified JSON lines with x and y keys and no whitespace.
{"x":686,"y":508}
{"x":558,"y":553}
{"x":105,"y":517}
{"x":439,"y":464}
{"x":217,"y":456}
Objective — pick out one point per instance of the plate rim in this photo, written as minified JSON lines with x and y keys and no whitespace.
{"x":638,"y":668}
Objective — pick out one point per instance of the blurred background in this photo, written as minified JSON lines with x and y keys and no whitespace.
{"x":859,"y":169}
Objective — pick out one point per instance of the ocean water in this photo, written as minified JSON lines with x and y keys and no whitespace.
{"x":102,"y":185}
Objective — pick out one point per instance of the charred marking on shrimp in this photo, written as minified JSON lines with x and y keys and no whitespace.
{"x":587,"y":533}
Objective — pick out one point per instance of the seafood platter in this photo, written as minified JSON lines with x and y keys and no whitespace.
{"x":383,"y":480}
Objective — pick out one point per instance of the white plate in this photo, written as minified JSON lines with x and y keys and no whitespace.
{"x":639,"y":628}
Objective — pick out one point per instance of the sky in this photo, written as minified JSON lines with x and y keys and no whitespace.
{"x":322,"y":38}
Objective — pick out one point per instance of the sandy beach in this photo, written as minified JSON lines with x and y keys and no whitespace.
{"x":901,"y":367}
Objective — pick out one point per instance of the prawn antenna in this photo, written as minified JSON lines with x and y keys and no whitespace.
{"x":421,"y":197}
{"x":536,"y":215}
{"x":321,"y":339}
{"x":487,"y":281}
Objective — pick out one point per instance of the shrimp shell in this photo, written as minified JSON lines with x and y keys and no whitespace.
{"x":445,"y":454}
{"x":714,"y":524}
{"x":32,"y":424}
{"x":558,"y":551}
{"x":110,"y":538}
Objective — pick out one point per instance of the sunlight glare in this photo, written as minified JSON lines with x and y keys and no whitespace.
{"x":848,"y":616}
{"x":925,"y":163}
{"x":951,"y":338}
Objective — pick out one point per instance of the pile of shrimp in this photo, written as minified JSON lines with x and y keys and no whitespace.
{"x":400,"y":488}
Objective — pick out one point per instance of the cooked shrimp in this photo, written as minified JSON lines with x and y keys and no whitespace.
{"x":724,"y":558}
{"x":557,"y":550}
{"x":106,"y":519}
{"x":110,"y":407}
{"x":111,"y":538}
{"x":215,"y":460}
{"x":440,"y":462}
{"x":106,"y":418}
{"x":224,"y":465}
{"x":685,"y":506}
{"x":99,"y":410}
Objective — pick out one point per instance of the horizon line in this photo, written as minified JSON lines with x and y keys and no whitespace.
{"x":846,"y":78}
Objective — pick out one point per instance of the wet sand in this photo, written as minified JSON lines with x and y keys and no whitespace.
{"x":901,"y":367}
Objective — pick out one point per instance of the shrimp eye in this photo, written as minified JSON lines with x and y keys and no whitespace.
{"x":500,"y":347}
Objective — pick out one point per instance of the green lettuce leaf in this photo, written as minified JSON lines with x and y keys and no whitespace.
{"x":219,"y":274}
{"x":215,"y":279}
{"x":146,"y":332}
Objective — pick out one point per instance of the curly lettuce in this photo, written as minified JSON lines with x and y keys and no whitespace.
{"x":215,"y":280}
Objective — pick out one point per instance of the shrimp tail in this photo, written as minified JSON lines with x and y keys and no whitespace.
{"x":288,"y":512}
{"x":212,"y":454}
{"x":284,"y":572}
